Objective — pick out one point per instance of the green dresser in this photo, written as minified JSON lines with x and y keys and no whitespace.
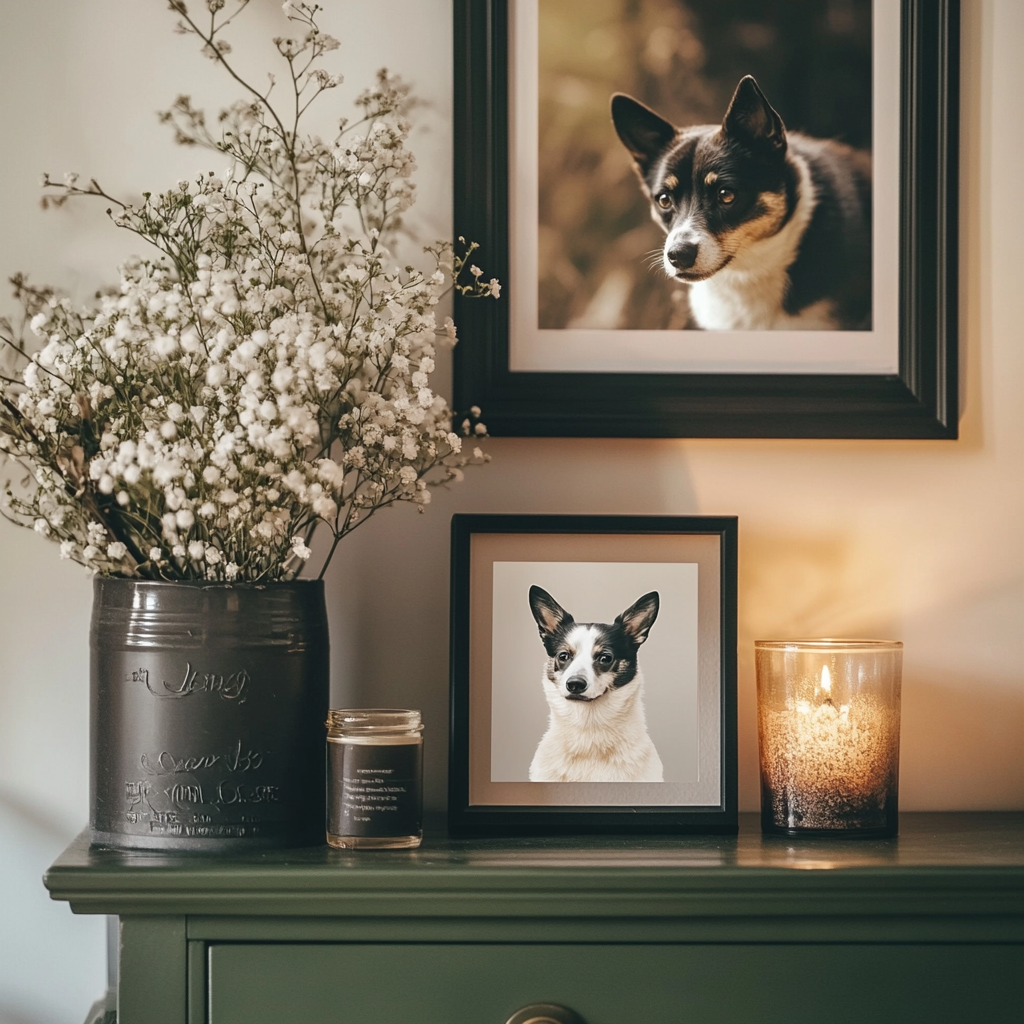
{"x":925,"y":928}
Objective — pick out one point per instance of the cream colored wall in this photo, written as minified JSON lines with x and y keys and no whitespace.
{"x":915,"y":540}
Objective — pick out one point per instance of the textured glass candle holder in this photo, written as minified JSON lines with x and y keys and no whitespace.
{"x":829,"y":730}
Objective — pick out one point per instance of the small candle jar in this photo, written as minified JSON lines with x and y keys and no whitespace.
{"x":829,"y":729}
{"x":374,"y":779}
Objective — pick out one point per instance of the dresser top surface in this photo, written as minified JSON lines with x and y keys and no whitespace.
{"x":928,"y":842}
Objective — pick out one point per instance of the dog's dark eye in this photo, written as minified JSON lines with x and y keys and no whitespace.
{"x":664,"y":200}
{"x":726,"y":196}
{"x":605,"y":659}
{"x":563,"y":657}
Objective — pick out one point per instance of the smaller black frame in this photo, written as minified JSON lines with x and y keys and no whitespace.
{"x":700,"y":550}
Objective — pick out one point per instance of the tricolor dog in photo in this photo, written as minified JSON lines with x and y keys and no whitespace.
{"x":771,"y":230}
{"x":596,"y":730}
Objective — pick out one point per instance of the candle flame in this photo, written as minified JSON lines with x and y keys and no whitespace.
{"x":826,"y":680}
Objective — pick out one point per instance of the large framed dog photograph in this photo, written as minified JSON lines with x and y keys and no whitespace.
{"x":593,"y":683}
{"x":710,"y":219}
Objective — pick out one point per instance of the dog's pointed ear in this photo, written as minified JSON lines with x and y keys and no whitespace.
{"x":550,"y":615}
{"x":752,"y":121}
{"x":643,"y":132}
{"x":638,"y":618}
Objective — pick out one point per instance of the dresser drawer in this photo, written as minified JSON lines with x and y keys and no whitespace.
{"x":399,"y":983}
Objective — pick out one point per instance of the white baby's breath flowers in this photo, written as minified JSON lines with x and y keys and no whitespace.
{"x":265,"y":372}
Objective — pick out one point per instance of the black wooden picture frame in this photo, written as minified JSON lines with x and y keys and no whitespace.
{"x":920,"y":401}
{"x":531,"y":808}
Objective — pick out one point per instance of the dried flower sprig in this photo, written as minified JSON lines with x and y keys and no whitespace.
{"x":267,"y":371}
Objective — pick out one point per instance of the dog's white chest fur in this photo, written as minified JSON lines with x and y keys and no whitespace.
{"x":735,"y":300}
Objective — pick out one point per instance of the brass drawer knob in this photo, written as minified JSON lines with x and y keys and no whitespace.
{"x":545,"y":1013}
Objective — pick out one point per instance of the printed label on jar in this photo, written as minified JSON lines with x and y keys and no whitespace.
{"x":374,"y":790}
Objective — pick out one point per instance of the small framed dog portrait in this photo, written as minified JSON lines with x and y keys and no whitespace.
{"x":710,"y":219}
{"x":593,"y":684}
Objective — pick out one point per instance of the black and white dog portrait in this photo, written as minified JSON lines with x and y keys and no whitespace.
{"x":769,"y":229}
{"x":597,"y":731}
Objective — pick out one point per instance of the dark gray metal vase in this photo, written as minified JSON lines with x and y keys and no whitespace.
{"x":207,"y":714}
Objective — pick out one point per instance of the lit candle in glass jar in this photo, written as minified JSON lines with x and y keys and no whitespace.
{"x":829,"y":730}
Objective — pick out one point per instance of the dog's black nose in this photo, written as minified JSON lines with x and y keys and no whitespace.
{"x":683,"y":256}
{"x":576,"y":685}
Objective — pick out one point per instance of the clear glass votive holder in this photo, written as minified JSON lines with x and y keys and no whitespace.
{"x":828,"y":715}
{"x":374,"y":778}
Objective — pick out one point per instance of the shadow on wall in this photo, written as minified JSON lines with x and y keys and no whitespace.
{"x":35,"y":930}
{"x":28,"y":816}
{"x":815,"y":585}
{"x":387,"y":589}
{"x":956,"y":733}
{"x":963,"y":701}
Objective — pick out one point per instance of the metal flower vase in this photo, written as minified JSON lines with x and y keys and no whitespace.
{"x":208,"y":703}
